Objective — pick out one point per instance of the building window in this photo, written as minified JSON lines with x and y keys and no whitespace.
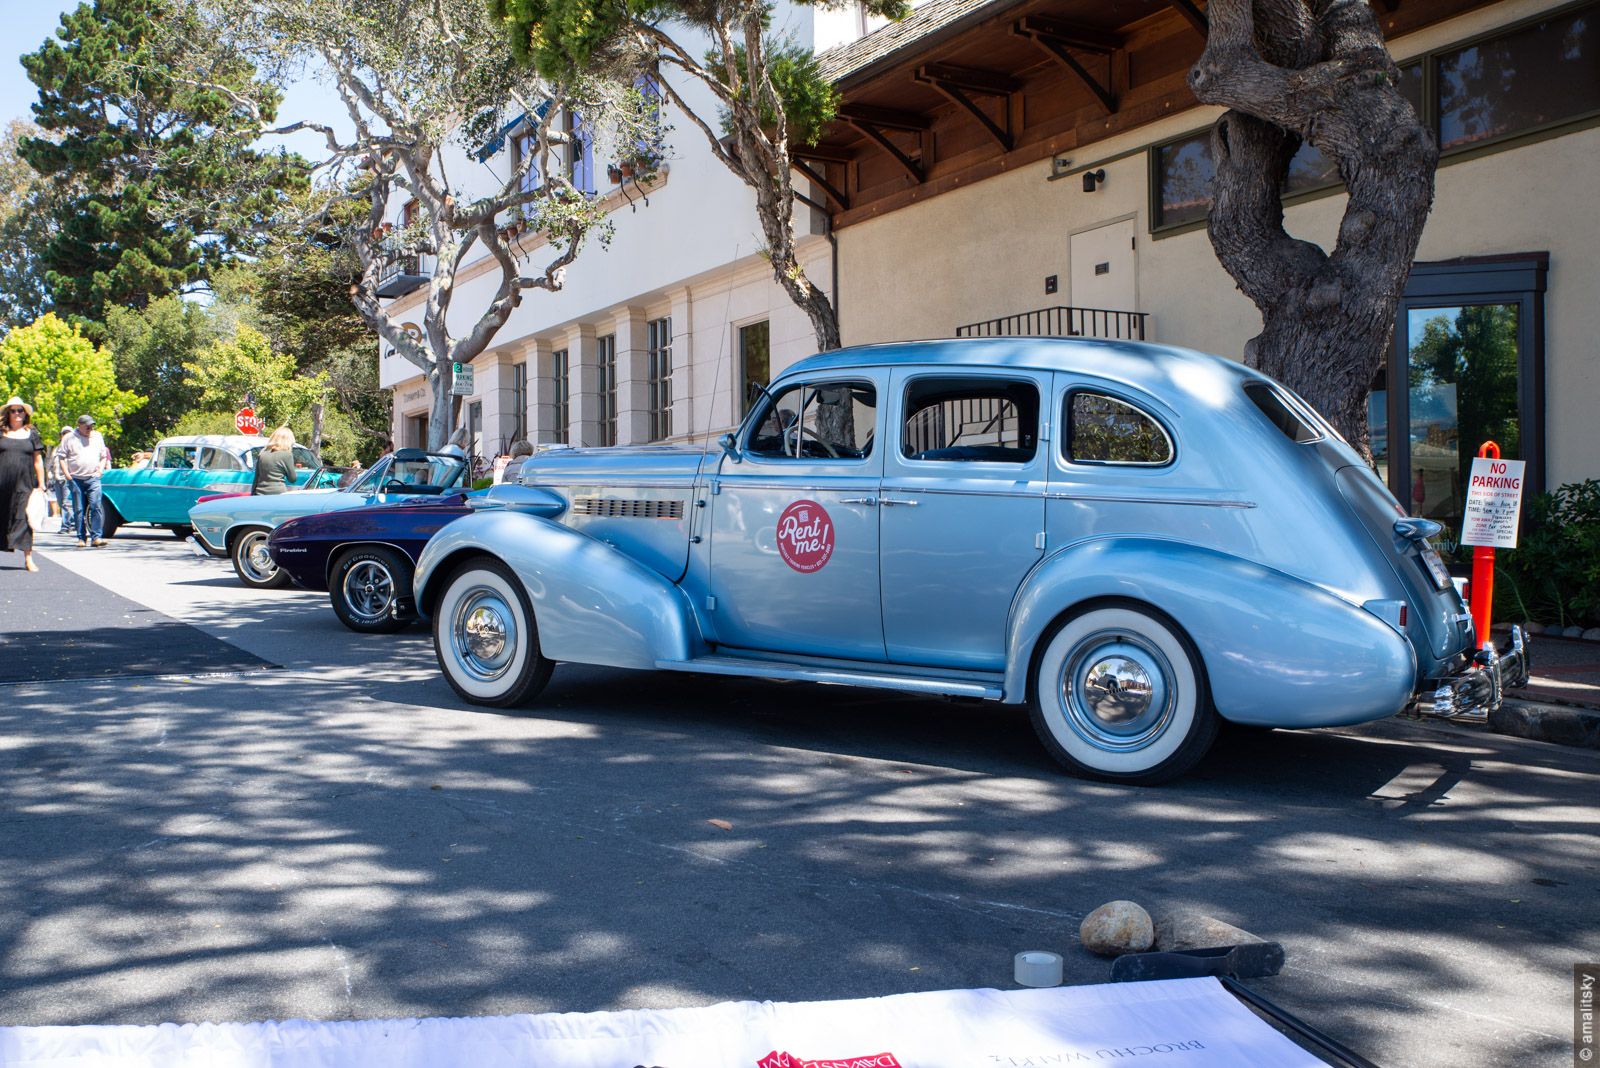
{"x":659,"y":377}
{"x":410,"y":213}
{"x":1544,"y":72}
{"x":1469,"y":351}
{"x":605,"y":354}
{"x":561,"y":393}
{"x":526,"y":146}
{"x":755,"y":362}
{"x":580,"y":153}
{"x":519,"y":402}
{"x":1520,"y":80}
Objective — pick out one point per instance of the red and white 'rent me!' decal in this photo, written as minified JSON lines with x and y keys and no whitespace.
{"x":776,"y":1059}
{"x":805,"y":536}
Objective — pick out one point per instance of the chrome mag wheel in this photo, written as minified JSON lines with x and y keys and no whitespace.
{"x":368,"y":589}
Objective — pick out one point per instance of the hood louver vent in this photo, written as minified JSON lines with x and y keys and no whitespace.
{"x":627,"y":508}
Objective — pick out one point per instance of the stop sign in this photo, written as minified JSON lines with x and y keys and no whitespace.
{"x":245,"y":421}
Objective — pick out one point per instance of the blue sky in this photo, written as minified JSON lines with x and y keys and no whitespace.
{"x":31,"y":21}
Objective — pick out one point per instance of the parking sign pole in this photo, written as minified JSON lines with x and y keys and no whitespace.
{"x":1483,"y":570}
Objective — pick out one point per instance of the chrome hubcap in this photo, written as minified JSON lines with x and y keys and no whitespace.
{"x":257,"y":560}
{"x":369,"y":590}
{"x":484,"y":633}
{"x":1115,"y":692}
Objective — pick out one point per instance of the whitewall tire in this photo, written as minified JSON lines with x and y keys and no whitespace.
{"x":252,"y":563}
{"x":484,"y":636}
{"x":1119,"y":694}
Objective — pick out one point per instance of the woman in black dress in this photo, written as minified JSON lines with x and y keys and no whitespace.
{"x":21,"y":472}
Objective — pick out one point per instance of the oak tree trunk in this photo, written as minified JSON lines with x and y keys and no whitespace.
{"x":1316,"y":71}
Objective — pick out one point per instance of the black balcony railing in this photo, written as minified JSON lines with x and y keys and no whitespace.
{"x":403,"y":270}
{"x":1061,"y":322}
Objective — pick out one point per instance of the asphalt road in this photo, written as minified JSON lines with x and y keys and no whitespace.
{"x":333,"y":835}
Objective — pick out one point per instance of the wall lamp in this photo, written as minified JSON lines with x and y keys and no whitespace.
{"x":1093,"y":179}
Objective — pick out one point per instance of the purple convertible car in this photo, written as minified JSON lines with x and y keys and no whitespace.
{"x":364,"y":557}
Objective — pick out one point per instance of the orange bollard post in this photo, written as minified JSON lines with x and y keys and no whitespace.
{"x":1482,"y":591}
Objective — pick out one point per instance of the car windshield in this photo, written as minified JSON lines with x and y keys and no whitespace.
{"x":413,"y":471}
{"x":326,"y":477}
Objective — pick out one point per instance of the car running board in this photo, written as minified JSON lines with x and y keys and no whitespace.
{"x":880,"y":679}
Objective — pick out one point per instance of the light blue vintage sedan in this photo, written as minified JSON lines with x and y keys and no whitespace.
{"x":237,"y":526}
{"x":1136,"y":541}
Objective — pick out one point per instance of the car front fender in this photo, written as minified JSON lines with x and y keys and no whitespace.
{"x":592,"y":603}
{"x":1278,"y":651}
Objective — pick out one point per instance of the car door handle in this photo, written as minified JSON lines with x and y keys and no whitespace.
{"x":887,"y":501}
{"x":869,"y":501}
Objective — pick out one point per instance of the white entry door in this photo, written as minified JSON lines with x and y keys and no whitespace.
{"x":1104,"y":270}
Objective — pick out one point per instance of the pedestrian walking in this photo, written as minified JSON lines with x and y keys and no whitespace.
{"x":61,"y":484}
{"x":21,"y":479}
{"x":275,"y":464}
{"x":86,"y":458}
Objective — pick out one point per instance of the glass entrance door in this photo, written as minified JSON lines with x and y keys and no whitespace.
{"x":1465,"y":368}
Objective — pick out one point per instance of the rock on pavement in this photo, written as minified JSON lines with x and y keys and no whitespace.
{"x":1117,"y":927}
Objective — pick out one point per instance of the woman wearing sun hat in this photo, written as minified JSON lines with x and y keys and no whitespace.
{"x":21,"y":475}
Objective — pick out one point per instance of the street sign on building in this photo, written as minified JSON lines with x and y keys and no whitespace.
{"x":461,"y":380}
{"x":1494,"y":503}
{"x":246,"y":421}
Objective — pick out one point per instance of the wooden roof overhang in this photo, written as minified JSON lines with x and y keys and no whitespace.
{"x":1010,"y":83}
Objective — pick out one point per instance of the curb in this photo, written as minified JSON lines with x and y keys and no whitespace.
{"x":1558,"y":724}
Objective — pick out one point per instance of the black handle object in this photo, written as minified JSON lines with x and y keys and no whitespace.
{"x":1252,"y":960}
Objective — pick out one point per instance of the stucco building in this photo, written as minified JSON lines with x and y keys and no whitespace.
{"x":1040,"y":166}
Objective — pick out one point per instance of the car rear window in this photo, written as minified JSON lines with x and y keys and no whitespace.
{"x":1280,"y":414}
{"x":1107,"y":430}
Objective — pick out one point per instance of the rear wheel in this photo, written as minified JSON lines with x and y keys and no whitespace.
{"x":1119,"y":694}
{"x":484,"y":636}
{"x":180,"y":530}
{"x":252,"y":563}
{"x":110,"y":518}
{"x":364,"y":587}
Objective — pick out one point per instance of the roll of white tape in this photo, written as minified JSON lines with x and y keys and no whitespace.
{"x":1037,"y":967}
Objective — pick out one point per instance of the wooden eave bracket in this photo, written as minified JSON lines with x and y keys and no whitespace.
{"x":960,"y":84}
{"x":1192,"y":14}
{"x":801,"y":158}
{"x":1058,"y":40}
{"x":872,"y":122}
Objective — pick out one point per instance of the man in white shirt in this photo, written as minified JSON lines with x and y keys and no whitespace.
{"x":85,"y":458}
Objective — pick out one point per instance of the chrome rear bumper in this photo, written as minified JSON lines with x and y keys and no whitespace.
{"x":1473,"y":694}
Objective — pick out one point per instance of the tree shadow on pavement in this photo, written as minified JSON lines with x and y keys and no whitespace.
{"x":359,"y":843}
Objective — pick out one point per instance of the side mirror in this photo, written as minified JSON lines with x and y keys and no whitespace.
{"x":730,"y":446}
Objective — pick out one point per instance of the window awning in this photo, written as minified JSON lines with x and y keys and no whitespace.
{"x":498,"y":141}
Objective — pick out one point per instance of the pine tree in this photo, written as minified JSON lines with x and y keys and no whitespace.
{"x":150,"y":121}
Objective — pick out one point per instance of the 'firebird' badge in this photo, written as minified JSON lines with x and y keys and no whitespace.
{"x":805,"y":536}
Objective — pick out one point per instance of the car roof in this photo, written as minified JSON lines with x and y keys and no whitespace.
{"x":235,"y":442}
{"x":1136,"y":362}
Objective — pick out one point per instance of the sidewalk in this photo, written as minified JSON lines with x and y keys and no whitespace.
{"x":1561,"y":702}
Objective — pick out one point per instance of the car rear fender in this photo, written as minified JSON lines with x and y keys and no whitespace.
{"x":593,"y":604}
{"x":1277,"y":650}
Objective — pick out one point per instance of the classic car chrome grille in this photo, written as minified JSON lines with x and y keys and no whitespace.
{"x":628,"y":508}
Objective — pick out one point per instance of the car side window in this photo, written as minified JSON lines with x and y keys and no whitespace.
{"x":972,"y":420}
{"x":219,"y":460}
{"x":303,"y":458}
{"x":817,"y":421}
{"x":1105,"y":430}
{"x":175,"y":457}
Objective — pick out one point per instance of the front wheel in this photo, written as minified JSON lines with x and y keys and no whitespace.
{"x":110,"y":518}
{"x":181,"y":531}
{"x":365,"y":586}
{"x":1119,"y":694}
{"x":484,"y":636}
{"x":253,"y":564}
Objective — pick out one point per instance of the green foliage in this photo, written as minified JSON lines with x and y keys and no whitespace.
{"x":51,"y":365}
{"x":149,"y":120}
{"x":26,"y":226}
{"x":151,"y":346}
{"x":225,"y":370}
{"x":810,"y":101}
{"x":1553,"y":575}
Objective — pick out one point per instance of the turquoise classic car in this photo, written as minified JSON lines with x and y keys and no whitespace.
{"x":180,"y":472}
